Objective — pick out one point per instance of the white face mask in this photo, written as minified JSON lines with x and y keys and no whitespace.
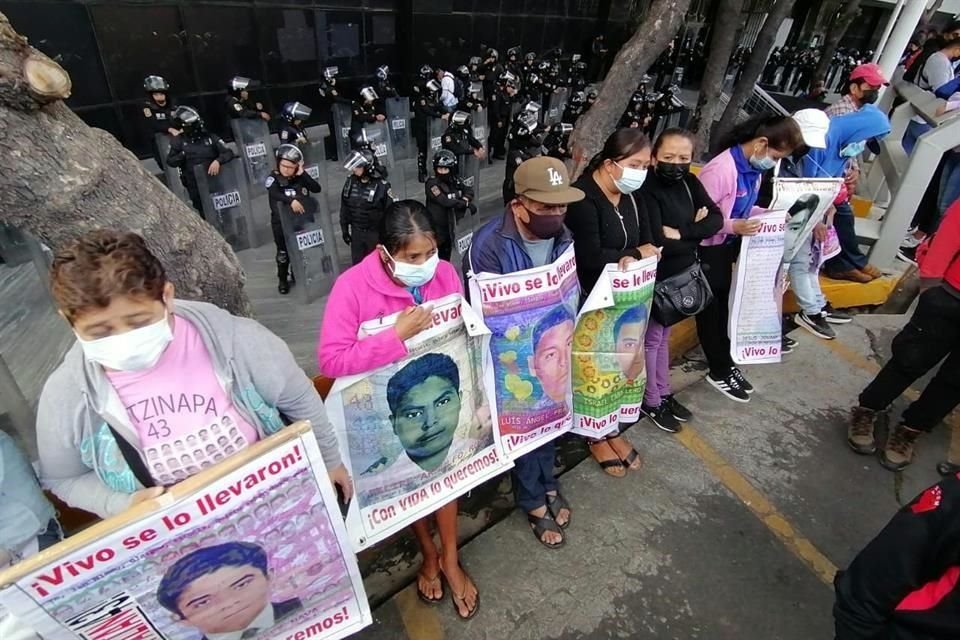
{"x":134,"y":350}
{"x":415,"y":275}
{"x":630,"y":180}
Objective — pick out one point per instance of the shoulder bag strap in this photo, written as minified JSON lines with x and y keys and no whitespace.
{"x":132,"y":457}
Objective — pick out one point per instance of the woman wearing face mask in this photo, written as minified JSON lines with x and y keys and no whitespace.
{"x":609,"y":226}
{"x":403,"y":274}
{"x":732,"y":180}
{"x":149,"y":370}
{"x":681,"y":215}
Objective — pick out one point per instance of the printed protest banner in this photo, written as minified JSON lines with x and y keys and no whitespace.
{"x":609,"y":373}
{"x":757,"y":294}
{"x":417,"y":433}
{"x":805,"y":201}
{"x":531,"y":316}
{"x":253,"y":547}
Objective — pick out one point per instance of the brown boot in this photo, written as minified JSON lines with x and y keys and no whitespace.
{"x":898,"y":453}
{"x":853,"y":275}
{"x":860,"y":430}
{"x":872,"y":271}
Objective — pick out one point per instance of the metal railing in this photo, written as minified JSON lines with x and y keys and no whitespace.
{"x":759,"y":102}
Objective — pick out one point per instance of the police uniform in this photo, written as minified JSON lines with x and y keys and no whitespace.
{"x":362,"y":205}
{"x":423,"y":109}
{"x":330,"y":94}
{"x":293,"y":134}
{"x":158,"y":119}
{"x":237,"y":108}
{"x":516,"y":157}
{"x":190,"y":149}
{"x":460,"y":140}
{"x":501,"y":106}
{"x":446,"y":205}
{"x":362,"y":113}
{"x":281,"y":190}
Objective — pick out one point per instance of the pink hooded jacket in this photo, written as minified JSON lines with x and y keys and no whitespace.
{"x":365,"y":292}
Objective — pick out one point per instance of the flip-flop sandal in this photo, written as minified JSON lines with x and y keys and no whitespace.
{"x":556,"y":504}
{"x":430,"y":581}
{"x":542,"y":525}
{"x":612,"y":467}
{"x":948,"y":468}
{"x":455,"y":599}
{"x":632,"y":457}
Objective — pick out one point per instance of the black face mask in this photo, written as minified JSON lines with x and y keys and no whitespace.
{"x":544,"y":226}
{"x":672,"y":171}
{"x":870,"y":96}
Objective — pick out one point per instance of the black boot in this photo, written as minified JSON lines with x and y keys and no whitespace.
{"x":283,"y":286}
{"x":422,"y":167}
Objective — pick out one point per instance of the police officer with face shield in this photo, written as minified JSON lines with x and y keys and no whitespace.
{"x":239,"y":102}
{"x":524,"y":144}
{"x":501,"y":106}
{"x":288,"y":184}
{"x":363,"y":202}
{"x":330,"y":94}
{"x":490,"y":71}
{"x":158,"y":112}
{"x":365,"y":111}
{"x":293,"y":115}
{"x":448,"y":200}
{"x":557,"y":141}
{"x":458,"y":137}
{"x":195,"y":146}
{"x":576,"y":106}
{"x":385,"y":88}
{"x":426,"y":106}
{"x":514,"y":62}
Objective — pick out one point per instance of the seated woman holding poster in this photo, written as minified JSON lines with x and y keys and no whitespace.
{"x":152,"y":377}
{"x":403,"y":275}
{"x":609,"y":226}
{"x":732,"y":180}
{"x":681,"y":215}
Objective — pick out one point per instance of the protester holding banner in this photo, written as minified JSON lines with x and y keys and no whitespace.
{"x":529,"y":234}
{"x":732,"y":180}
{"x":151,"y":377}
{"x":611,"y":226}
{"x":681,"y":214}
{"x":403,"y":275}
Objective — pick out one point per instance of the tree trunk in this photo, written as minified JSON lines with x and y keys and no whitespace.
{"x":722,"y":40}
{"x":838,"y":27}
{"x":60,"y":178}
{"x":660,"y":25}
{"x":754,"y":67}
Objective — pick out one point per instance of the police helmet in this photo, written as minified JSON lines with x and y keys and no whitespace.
{"x":155,"y":84}
{"x":533,"y":79}
{"x":580,"y":66}
{"x":523,"y":127}
{"x":295,"y":111}
{"x":329,"y":73}
{"x":474,"y":61}
{"x":508,"y":77}
{"x":514,"y":52}
{"x":188,"y":118}
{"x":433,"y":86}
{"x":493,"y":53}
{"x":289,"y":152}
{"x":645,"y":79}
{"x":368,"y":94}
{"x":426,"y":71}
{"x":446,"y":159}
{"x":463,"y":72}
{"x":544,"y":66}
{"x":532,"y":107}
{"x":238,"y":84}
{"x":592,"y":95}
{"x":383,"y":72}
{"x":578,"y":97}
{"x":460,"y":118}
{"x":360,"y":158}
{"x":575,"y":58}
{"x":561,"y":129}
{"x":530,"y":56}
{"x":557,"y":53}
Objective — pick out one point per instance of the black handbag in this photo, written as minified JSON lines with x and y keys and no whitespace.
{"x":681,"y":295}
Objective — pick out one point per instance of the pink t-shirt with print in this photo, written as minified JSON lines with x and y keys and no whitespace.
{"x":180,"y":411}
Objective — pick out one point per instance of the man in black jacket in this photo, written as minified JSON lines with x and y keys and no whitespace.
{"x":448,"y":200}
{"x":239,"y":103}
{"x":363,"y":202}
{"x":158,"y":112}
{"x":196,"y":146}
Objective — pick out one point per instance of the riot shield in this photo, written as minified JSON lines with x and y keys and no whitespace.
{"x":557,"y":104}
{"x":470,"y":173}
{"x":378,"y":135}
{"x":435,"y":129}
{"x":311,"y":245}
{"x":398,"y":117}
{"x":341,"y":124}
{"x":481,"y":128}
{"x":227,"y":204}
{"x":314,"y":157}
{"x":255,"y":146}
{"x":171,"y":174}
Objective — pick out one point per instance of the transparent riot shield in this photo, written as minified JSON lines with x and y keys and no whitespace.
{"x":470,"y":173}
{"x":171,"y":174}
{"x":227,"y":205}
{"x":398,"y":118}
{"x":435,"y":129}
{"x":378,"y":135}
{"x":311,"y":245}
{"x":314,"y":159}
{"x":341,"y":124}
{"x":255,"y":146}
{"x":556,"y":106}
{"x":481,"y":127}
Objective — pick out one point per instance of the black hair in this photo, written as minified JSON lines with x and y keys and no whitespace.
{"x":417,"y":371}
{"x":557,"y":316}
{"x":621,"y":144}
{"x":674,"y":132}
{"x":782,"y":132}
{"x":203,"y":562}
{"x":403,"y":220}
{"x":633,"y":315}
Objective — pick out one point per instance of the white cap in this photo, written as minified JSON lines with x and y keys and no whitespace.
{"x":813,"y":125}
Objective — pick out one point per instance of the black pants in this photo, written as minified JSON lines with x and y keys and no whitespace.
{"x":498,"y":139}
{"x":932,"y":333}
{"x":283,"y":258}
{"x":850,"y":256}
{"x":190,"y":184}
{"x":927,"y":217}
{"x":362,"y":242}
{"x":717,"y":263}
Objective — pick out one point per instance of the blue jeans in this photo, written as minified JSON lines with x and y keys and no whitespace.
{"x":806,"y":282}
{"x":914,"y":131}
{"x":533,"y":477}
{"x":850,"y":256}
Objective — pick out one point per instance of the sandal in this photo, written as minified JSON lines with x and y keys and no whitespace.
{"x":542,"y":525}
{"x":461,"y":599}
{"x":556,"y":504}
{"x":947,"y":468}
{"x":612,"y":466}
{"x":430,"y":581}
{"x":630,"y":458}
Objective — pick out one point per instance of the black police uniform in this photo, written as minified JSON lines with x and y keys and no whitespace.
{"x":501,"y":106}
{"x":286,"y":190}
{"x":362,"y":205}
{"x":516,"y":157}
{"x":190,"y":149}
{"x":460,"y":140}
{"x":424,"y":108}
{"x":291,"y":133}
{"x":557,"y":146}
{"x":329,"y":96}
{"x":158,"y":119}
{"x":362,"y":113}
{"x":237,"y":108}
{"x":446,"y":206}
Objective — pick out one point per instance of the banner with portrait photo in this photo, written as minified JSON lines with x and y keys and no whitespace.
{"x":531,"y":316}
{"x":253,"y":547}
{"x":805,"y":201}
{"x":756,"y":296}
{"x":418,"y":433}
{"x":609,"y":372}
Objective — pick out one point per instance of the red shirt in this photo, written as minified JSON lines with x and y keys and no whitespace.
{"x":942,"y":260}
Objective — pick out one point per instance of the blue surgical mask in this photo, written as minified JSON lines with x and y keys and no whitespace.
{"x":763,"y":163}
{"x":415,"y":275}
{"x":630,"y":180}
{"x":853,"y":149}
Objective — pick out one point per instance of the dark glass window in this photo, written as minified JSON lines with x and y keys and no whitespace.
{"x":105,"y":118}
{"x":224,"y":44}
{"x":288,"y":41}
{"x":339,"y":37}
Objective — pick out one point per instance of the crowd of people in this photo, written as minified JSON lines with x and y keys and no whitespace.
{"x":637,"y":199}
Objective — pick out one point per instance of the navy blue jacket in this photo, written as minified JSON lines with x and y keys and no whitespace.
{"x":498,"y":247}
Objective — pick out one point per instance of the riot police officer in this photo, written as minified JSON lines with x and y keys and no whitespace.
{"x":458,"y":137}
{"x":557,"y":141}
{"x":448,"y":200}
{"x":239,"y":103}
{"x":524,"y":144}
{"x":385,"y":88}
{"x":365,"y":111}
{"x":424,"y":75}
{"x":195,"y":146}
{"x":287,"y":184}
{"x":364,"y":200}
{"x":591,"y":98}
{"x":427,"y":106}
{"x":514,"y":64}
{"x":576,"y":106}
{"x":330,"y":94}
{"x":292,"y":131}
{"x":158,"y":112}
{"x":490,"y":73}
{"x":501,"y":108}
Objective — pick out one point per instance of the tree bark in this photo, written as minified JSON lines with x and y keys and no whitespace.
{"x":60,"y":178}
{"x":658,"y":28}
{"x":722,"y":40}
{"x":838,"y":28}
{"x":753,"y":68}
